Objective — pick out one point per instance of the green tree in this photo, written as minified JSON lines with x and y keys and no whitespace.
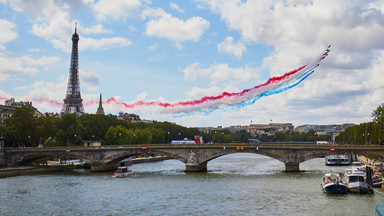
{"x":142,"y":136}
{"x":70,"y":130}
{"x":97,"y":125}
{"x":45,"y":128}
{"x":118,"y":135}
{"x":378,"y":118}
{"x":158,"y":135}
{"x":20,"y":127}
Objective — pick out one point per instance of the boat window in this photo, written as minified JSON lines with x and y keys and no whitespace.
{"x":356,"y":179}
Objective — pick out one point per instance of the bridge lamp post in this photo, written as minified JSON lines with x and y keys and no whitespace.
{"x":167,"y":139}
{"x":75,"y":140}
{"x":29,"y":140}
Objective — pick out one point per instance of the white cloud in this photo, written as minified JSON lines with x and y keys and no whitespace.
{"x":172,"y":28}
{"x":103,"y":43}
{"x":52,"y":21}
{"x":175,"y":6}
{"x":34,"y":50}
{"x":153,"y":47}
{"x":227,"y":46}
{"x":118,"y":9}
{"x":141,"y":96}
{"x":197,"y":92}
{"x":221,"y":73}
{"x":7,"y":32}
{"x":96,"y":29}
{"x":24,"y":64}
{"x":89,"y":78}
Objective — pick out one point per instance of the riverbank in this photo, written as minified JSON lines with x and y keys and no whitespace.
{"x":148,"y":159}
{"x":29,"y":170}
{"x":366,"y":161}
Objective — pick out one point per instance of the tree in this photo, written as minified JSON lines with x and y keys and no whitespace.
{"x":45,"y":128}
{"x":70,"y":130}
{"x":158,"y":136}
{"x":20,"y":127}
{"x":118,"y":135}
{"x":378,"y":117}
{"x":142,"y":136}
{"x":97,"y":125}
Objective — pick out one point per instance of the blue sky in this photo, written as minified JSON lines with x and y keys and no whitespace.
{"x":183,"y":50}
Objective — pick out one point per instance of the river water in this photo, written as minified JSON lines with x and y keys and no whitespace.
{"x":237,"y":184}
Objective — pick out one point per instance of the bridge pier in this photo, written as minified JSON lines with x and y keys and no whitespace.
{"x":202,"y":167}
{"x":292,"y":167}
{"x":104,"y":167}
{"x":2,"y":158}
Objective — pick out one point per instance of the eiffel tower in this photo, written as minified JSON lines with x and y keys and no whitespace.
{"x":73,"y":102}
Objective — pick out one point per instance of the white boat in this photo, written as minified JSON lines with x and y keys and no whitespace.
{"x":337,"y":160}
{"x":377,"y":179}
{"x":122,"y":172}
{"x":331,"y":183}
{"x":355,"y":182}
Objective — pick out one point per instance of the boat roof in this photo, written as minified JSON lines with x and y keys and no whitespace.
{"x":355,"y":173}
{"x":331,"y":174}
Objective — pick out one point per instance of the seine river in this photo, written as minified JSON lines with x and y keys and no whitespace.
{"x":237,"y":184}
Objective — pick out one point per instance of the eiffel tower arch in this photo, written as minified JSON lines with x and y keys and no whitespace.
{"x":73,"y":102}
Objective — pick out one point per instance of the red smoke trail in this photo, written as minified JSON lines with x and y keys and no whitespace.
{"x":204,"y":99}
{"x":45,"y":100}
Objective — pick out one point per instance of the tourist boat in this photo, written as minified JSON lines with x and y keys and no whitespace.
{"x":339,"y":160}
{"x":332,"y":184}
{"x":377,"y":179}
{"x":355,"y":182}
{"x":122,"y":172}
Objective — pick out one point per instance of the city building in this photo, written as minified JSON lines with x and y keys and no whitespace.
{"x":323,"y":129}
{"x":129,"y":117}
{"x":100,"y":109}
{"x":9,"y":106}
{"x":258,"y":129}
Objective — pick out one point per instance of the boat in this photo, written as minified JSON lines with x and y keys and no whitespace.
{"x":338,"y":160}
{"x":332,"y":184}
{"x":379,"y":210}
{"x":377,"y":179}
{"x":355,"y":182}
{"x":122,"y":172}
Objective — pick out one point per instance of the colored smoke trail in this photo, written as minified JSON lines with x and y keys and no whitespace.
{"x":44,"y":100}
{"x":207,"y":104}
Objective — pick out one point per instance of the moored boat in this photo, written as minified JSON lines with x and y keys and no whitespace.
{"x":332,"y":184}
{"x":377,"y":179}
{"x":338,"y":160}
{"x":122,"y":172}
{"x":355,"y":182}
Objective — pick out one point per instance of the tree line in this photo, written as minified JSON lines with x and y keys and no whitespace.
{"x":369,"y":133}
{"x":24,"y":129}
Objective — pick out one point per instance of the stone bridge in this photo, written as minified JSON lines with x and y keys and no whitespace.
{"x":195,"y":157}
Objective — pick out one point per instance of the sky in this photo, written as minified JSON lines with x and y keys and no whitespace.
{"x":177,"y":51}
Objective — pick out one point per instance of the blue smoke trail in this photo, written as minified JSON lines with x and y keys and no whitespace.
{"x":253,"y":100}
